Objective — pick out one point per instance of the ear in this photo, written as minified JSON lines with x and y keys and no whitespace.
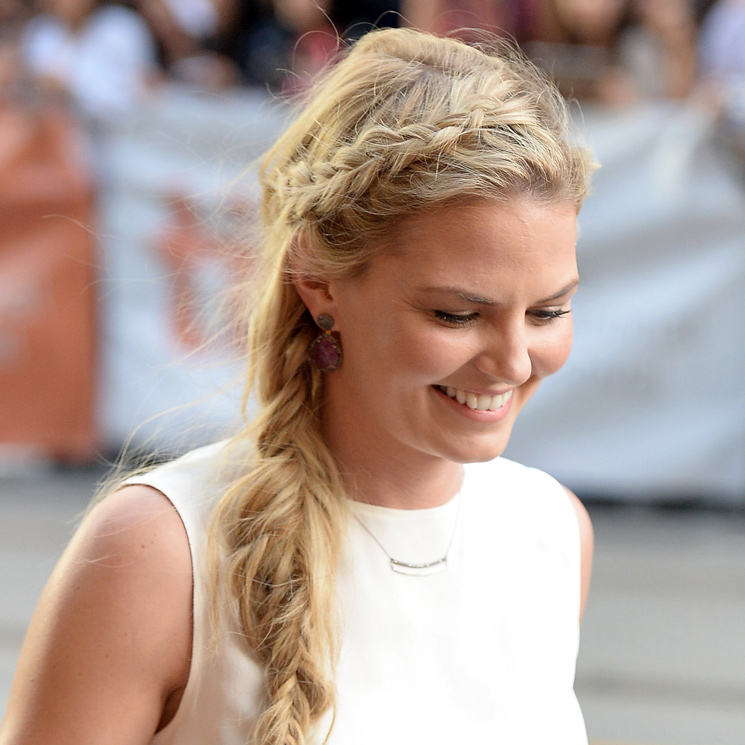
{"x":317,"y":296}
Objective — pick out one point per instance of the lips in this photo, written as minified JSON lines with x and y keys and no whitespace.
{"x":477,"y":401}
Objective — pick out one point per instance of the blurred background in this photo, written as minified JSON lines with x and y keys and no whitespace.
{"x":127,"y":132}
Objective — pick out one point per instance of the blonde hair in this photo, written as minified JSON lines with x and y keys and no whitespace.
{"x":405,"y":122}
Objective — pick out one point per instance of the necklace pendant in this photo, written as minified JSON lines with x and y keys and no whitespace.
{"x":419,"y":570}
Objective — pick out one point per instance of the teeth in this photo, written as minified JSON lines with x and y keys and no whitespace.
{"x":479,"y":402}
{"x":484,"y":402}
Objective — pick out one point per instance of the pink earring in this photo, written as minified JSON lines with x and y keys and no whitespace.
{"x":325,"y":351}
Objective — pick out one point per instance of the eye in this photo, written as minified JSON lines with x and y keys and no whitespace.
{"x":546,"y":315}
{"x":455,"y":319}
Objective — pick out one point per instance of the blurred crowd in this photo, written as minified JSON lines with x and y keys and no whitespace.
{"x":106,"y":56}
{"x":72,"y":70}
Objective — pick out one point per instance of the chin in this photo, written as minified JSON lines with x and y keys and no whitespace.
{"x":486,"y":458}
{"x":478,"y":452}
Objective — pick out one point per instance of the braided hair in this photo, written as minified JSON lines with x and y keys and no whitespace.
{"x":406,"y":121}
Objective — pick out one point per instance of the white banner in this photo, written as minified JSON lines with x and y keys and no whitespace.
{"x":651,"y":404}
{"x":166,"y":173}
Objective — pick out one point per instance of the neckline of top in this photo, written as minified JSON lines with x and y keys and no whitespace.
{"x":362,"y":509}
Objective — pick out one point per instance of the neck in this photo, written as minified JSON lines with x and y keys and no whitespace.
{"x":391,"y":476}
{"x":403,"y":488}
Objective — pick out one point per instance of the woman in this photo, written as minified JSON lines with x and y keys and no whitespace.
{"x":359,"y":582}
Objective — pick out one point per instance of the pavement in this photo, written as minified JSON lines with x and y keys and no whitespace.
{"x":663,"y":641}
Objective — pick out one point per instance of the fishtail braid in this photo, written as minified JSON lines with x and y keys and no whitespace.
{"x":276,"y":533}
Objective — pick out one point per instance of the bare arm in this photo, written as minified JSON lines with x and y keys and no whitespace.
{"x":108,"y":650}
{"x":587,"y":544}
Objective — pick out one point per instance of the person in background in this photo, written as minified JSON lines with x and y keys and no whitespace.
{"x":577,"y":42}
{"x":460,"y":16}
{"x":722,"y":69}
{"x":659,"y":48}
{"x":354,"y":18}
{"x":188,"y":34}
{"x":358,"y":564}
{"x":101,"y":57}
{"x":283,"y":44}
{"x":14,"y":14}
{"x":722,"y":41}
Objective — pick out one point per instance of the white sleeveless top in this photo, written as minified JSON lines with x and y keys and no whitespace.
{"x":483,"y":652}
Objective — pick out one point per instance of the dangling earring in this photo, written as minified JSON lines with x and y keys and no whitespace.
{"x":325,"y":351}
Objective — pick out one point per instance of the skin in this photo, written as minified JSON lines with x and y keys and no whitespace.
{"x":107,"y":654}
{"x":592,"y":21}
{"x":73,"y":12}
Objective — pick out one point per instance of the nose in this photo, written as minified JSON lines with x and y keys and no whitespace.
{"x":505,"y":356}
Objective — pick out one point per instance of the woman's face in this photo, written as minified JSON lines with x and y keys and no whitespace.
{"x":449,"y":333}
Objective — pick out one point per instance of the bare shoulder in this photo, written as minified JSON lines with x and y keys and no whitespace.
{"x":137,"y":525}
{"x":109,"y":646}
{"x":587,"y":544}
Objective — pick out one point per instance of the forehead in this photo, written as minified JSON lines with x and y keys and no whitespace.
{"x":519,"y":233}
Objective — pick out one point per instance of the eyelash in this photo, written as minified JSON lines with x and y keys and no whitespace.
{"x":455,"y":319}
{"x":466,"y":319}
{"x":546,"y":316}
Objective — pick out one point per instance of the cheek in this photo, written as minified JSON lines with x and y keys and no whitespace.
{"x":432,"y":353}
{"x":553,"y":351}
{"x":387,"y":354}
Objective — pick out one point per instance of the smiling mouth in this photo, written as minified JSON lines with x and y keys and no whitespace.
{"x":476,"y":401}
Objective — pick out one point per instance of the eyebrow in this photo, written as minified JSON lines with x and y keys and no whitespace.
{"x":478,"y":300}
